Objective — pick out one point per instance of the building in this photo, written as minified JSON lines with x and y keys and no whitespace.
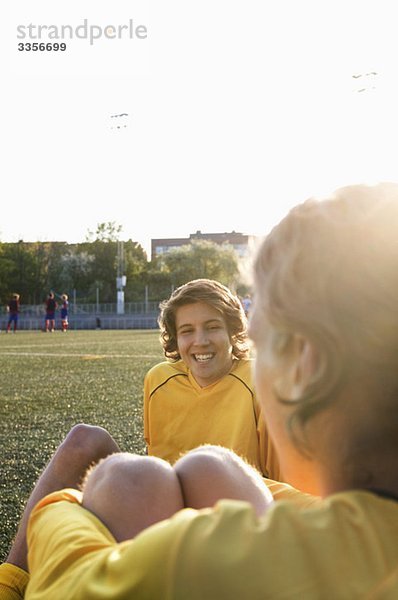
{"x":239,"y":241}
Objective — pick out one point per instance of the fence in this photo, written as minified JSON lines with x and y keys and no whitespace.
{"x":130,"y":308}
{"x":137,"y":315}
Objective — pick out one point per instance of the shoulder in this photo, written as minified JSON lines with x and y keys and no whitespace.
{"x":167,"y":368}
{"x":162,"y":372}
{"x":242,"y":370}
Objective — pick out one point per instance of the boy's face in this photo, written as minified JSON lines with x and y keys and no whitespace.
{"x":203,"y":342}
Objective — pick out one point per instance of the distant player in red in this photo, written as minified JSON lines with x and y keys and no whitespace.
{"x":51,"y":306}
{"x":64,"y":312}
{"x":13,"y":312}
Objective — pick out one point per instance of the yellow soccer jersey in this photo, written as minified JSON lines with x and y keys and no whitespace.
{"x":344,"y":548}
{"x":13,"y":582}
{"x":180,"y":415}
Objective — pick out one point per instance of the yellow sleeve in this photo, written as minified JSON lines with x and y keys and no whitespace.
{"x":73,"y":556}
{"x":224,"y":552}
{"x":269,"y":462}
{"x":147,"y":392}
{"x":13,"y":582}
{"x":64,"y":540}
{"x":268,"y":456}
{"x":284,"y":491}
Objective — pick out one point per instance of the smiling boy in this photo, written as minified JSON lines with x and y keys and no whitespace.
{"x":203,"y":393}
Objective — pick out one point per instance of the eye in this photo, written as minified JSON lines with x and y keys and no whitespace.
{"x":215,"y":327}
{"x":185,"y":331}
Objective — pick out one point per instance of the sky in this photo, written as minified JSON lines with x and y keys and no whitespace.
{"x":232,"y":112}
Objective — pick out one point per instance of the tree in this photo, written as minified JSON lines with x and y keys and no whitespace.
{"x":158,"y":282}
{"x":75,"y":271}
{"x":32,"y":269}
{"x":28,"y":274}
{"x":202,"y":258}
{"x":135,"y":262}
{"x":103,"y":247}
{"x":105,"y":232}
{"x":6,"y":269}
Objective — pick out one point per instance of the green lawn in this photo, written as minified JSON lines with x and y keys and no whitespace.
{"x":51,"y":381}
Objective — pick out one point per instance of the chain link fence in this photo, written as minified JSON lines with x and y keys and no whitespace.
{"x":137,"y":315}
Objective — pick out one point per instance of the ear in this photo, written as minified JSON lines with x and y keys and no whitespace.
{"x":306,"y":360}
{"x":298,"y":369}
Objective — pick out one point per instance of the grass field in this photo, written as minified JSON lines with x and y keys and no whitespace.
{"x":52,"y":381}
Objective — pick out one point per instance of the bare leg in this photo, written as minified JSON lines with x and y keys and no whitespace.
{"x":83,"y":446}
{"x":210,"y":473}
{"x":128,"y":493}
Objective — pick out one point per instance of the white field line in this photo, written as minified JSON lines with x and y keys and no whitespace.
{"x":69,"y":345}
{"x":77,"y":355}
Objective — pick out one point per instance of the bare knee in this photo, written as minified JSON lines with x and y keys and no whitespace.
{"x":211,"y":464}
{"x":211,"y":473}
{"x":80,"y":434}
{"x":83,"y":446}
{"x":90,"y":439}
{"x":129,"y":493}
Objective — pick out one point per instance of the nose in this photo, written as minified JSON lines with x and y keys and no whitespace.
{"x":201,"y":337}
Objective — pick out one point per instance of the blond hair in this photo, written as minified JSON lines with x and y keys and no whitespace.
{"x":329,"y":271}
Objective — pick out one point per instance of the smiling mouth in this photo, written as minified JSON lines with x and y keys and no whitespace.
{"x":203,"y":357}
